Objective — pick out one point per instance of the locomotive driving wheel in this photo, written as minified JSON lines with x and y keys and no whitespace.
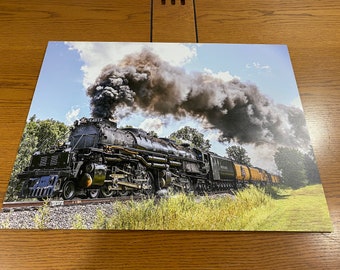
{"x":105,"y":191}
{"x":69,"y":190}
{"x":188,"y":186}
{"x":148,"y":185}
{"x":124,"y":191}
{"x":93,"y":193}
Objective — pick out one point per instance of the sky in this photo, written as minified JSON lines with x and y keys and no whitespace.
{"x":69,"y":68}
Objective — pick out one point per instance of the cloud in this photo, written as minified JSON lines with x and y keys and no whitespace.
{"x":152,"y":124}
{"x":72,"y":115}
{"x":223,"y":75}
{"x":262,"y":156}
{"x":296,"y":102}
{"x":213,"y":135}
{"x":258,"y":66}
{"x":97,"y":55}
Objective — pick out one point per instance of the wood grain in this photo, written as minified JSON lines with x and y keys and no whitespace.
{"x":311,"y":31}
{"x":173,"y":22}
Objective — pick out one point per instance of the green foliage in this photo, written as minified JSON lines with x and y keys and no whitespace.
{"x":192,"y":135}
{"x":312,"y":171}
{"x":273,"y":191}
{"x":38,"y":135}
{"x":42,"y":216}
{"x":153,"y":134}
{"x":238,"y":154}
{"x":100,"y":220}
{"x":291,"y":163}
{"x":5,"y":224}
{"x":78,"y":222}
{"x":186,"y":212}
{"x":132,"y":215}
{"x":298,"y":170}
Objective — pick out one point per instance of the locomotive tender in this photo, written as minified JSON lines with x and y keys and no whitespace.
{"x":103,"y":160}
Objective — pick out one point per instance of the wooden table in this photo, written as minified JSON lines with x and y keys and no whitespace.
{"x":310,"y":28}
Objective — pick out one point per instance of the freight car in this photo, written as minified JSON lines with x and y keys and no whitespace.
{"x":103,"y":160}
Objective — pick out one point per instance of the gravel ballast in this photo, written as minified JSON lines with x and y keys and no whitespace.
{"x":60,"y":217}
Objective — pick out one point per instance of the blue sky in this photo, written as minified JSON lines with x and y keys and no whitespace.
{"x":267,"y":66}
{"x":59,"y":88}
{"x":70,"y":67}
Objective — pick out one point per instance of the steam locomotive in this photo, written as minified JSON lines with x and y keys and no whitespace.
{"x":103,"y":160}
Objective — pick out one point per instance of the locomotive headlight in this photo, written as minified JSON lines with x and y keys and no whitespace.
{"x":86,"y":180}
{"x":89,"y":167}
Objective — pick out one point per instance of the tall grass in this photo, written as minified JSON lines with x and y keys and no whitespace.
{"x":78,"y":222}
{"x":42,"y":216}
{"x":186,"y":212}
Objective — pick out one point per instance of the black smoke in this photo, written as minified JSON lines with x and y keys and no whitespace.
{"x":239,"y":110}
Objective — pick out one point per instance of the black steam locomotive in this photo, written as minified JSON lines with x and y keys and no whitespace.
{"x":103,"y":160}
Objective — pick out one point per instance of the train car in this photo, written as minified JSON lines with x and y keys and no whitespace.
{"x":255,"y":176}
{"x":264,"y":177}
{"x":242,"y":174}
{"x":274,"y":179}
{"x":222,"y":172}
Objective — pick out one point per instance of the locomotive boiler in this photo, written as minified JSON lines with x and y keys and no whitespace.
{"x":103,"y":160}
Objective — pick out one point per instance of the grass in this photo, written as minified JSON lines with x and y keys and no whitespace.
{"x":252,"y":209}
{"x":185,"y":212}
{"x":42,"y":216}
{"x":304,"y":209}
{"x":78,"y":222}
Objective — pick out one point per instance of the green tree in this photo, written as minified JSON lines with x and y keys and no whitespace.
{"x":312,"y":171}
{"x":192,"y":135}
{"x":153,"y":134}
{"x":291,"y":163}
{"x":238,"y":154}
{"x":38,"y":135}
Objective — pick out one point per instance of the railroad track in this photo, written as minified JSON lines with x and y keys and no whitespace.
{"x":27,"y":205}
{"x":31,"y":205}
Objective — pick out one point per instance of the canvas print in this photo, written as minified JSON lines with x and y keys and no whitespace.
{"x":166,"y":136}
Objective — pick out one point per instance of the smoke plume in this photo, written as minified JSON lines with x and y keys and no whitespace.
{"x":244,"y":115}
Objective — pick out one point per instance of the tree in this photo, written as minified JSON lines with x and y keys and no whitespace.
{"x":38,"y":135}
{"x":291,"y":163}
{"x":238,"y":154}
{"x":312,"y":171}
{"x":153,"y":134}
{"x":191,"y":135}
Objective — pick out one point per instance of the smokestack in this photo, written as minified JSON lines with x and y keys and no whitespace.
{"x":240,"y":111}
